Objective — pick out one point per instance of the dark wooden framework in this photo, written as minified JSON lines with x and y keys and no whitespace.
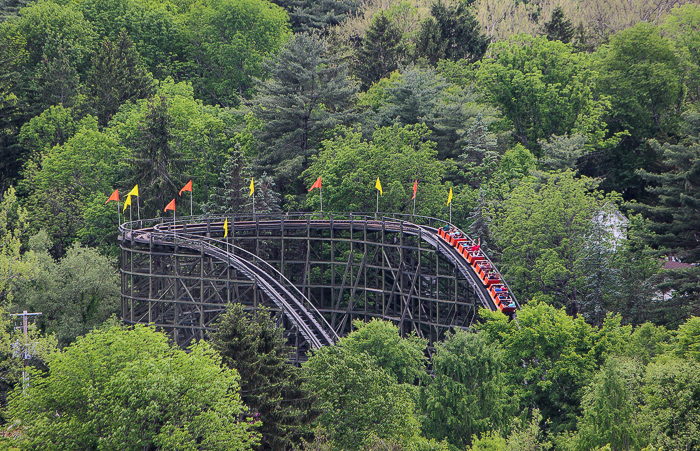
{"x":180,"y":276}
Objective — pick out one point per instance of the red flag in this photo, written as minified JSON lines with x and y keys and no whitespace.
{"x":317,"y":184}
{"x":187,"y":187}
{"x":114,"y":196}
{"x":415,"y":188}
{"x":170,"y":206}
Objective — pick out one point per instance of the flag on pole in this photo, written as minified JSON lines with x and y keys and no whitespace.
{"x":113,"y":197}
{"x":449,"y":197}
{"x":252,"y":187}
{"x":317,"y":184}
{"x":134,"y":191}
{"x":415,"y":189}
{"x":187,"y":187}
{"x":378,"y":185}
{"x":127,"y":203}
{"x":170,"y":206}
{"x":226,"y":228}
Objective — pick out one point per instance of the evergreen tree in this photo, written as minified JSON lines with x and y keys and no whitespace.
{"x":676,"y":211}
{"x":559,"y":28}
{"x":451,"y":33}
{"x":307,"y":94}
{"x":117,"y":76}
{"x":254,"y":345}
{"x":382,"y":51}
{"x":317,"y":15}
{"x":57,"y":81}
{"x":468,"y":394}
{"x":156,"y":162}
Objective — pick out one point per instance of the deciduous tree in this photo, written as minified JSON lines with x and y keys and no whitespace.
{"x":129,"y":390}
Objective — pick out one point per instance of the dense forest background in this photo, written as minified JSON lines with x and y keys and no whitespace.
{"x":569,"y":131}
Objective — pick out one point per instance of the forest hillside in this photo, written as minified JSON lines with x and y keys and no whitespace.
{"x":568,"y":132}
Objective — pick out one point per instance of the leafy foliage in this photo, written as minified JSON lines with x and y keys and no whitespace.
{"x":469,"y":393}
{"x":129,"y":389}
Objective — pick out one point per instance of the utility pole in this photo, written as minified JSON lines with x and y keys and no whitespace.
{"x":25,"y":347}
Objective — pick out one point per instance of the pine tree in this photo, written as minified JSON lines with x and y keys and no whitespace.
{"x":317,"y":15}
{"x":117,"y":76}
{"x":382,"y":51}
{"x":559,"y":28}
{"x":254,"y":345}
{"x":155,"y":159}
{"x":307,"y":94}
{"x":57,"y":79}
{"x":451,"y":33}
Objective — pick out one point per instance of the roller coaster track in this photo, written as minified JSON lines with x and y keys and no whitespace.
{"x":202,"y":237}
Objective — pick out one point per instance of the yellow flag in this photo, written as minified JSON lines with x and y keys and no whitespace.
{"x":252,"y":187}
{"x":449,"y":197}
{"x":378,"y":185}
{"x":134,"y":192}
{"x":226,"y":228}
{"x":127,"y":202}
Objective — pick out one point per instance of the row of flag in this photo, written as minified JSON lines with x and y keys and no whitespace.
{"x":188,"y":187}
{"x":378,"y":186}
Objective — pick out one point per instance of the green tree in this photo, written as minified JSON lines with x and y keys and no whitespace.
{"x":317,"y":15}
{"x":129,"y":389}
{"x":15,"y":267}
{"x":559,"y":28}
{"x":382,"y":51}
{"x":642,"y":76}
{"x":544,"y":231}
{"x":672,"y":404}
{"x":359,"y":399}
{"x":307,"y":93}
{"x":676,"y":187}
{"x":397,"y":155}
{"x":75,"y":294}
{"x":57,"y":81}
{"x":228,"y":42}
{"x":611,"y":408}
{"x":469,"y":393}
{"x":403,"y":358}
{"x":53,"y":127}
{"x":253,"y":345}
{"x":681,"y":27}
{"x":543,"y":88}
{"x":156,"y":27}
{"x":687,"y":340}
{"x":12,"y":343}
{"x":551,"y":357}
{"x":71,"y":178}
{"x":117,"y":76}
{"x":452,"y":32}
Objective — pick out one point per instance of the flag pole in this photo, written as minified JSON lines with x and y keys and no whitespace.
{"x":119,"y":215}
{"x":377,"y":211}
{"x":138,"y":207}
{"x":414,"y":205}
{"x":320,"y":189}
{"x":450,"y":212}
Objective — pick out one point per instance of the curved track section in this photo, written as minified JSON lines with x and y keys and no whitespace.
{"x":316,"y":274}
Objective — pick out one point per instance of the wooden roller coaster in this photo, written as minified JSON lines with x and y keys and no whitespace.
{"x":316,"y":274}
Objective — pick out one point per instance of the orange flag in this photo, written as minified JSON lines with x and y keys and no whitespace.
{"x":317,"y":184}
{"x":415,"y":188}
{"x":114,"y":196}
{"x":170,"y":206}
{"x":187,"y":187}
